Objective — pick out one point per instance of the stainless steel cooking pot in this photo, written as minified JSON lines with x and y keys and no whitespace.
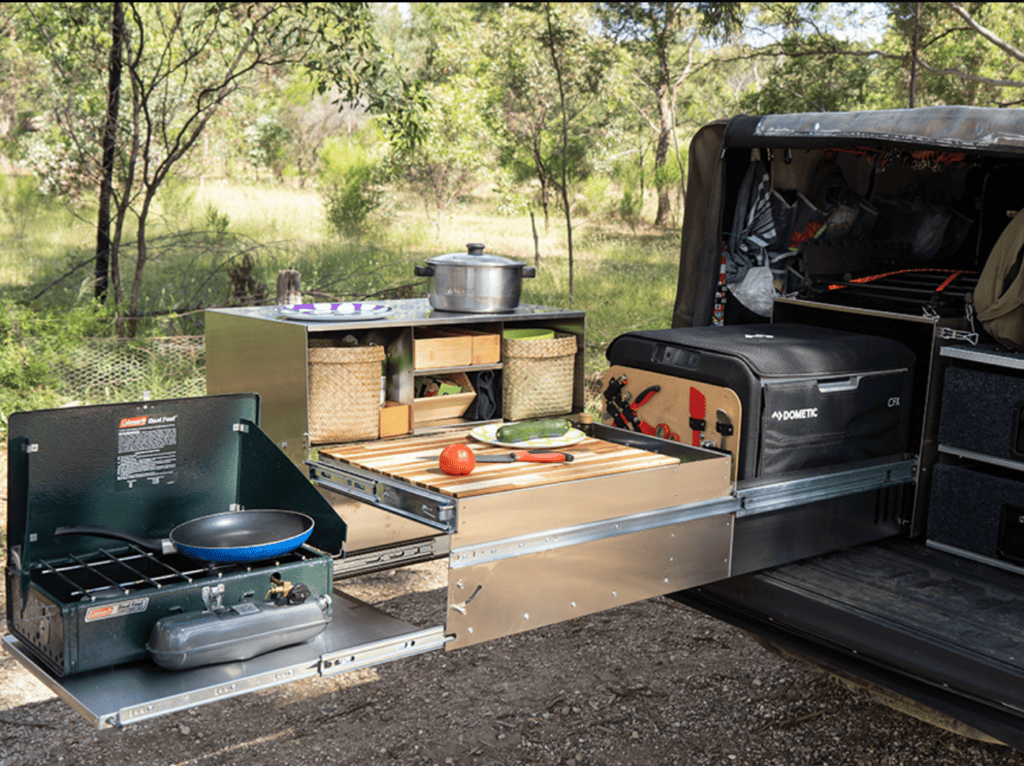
{"x":475,"y":282}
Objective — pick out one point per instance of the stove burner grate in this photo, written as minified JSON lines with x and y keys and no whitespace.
{"x":109,"y":573}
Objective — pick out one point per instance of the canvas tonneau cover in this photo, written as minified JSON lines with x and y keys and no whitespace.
{"x":961,"y":128}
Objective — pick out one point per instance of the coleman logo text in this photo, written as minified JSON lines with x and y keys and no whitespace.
{"x":133,"y":422}
{"x":805,"y":414}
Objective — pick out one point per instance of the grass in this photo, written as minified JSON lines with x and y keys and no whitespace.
{"x":624,"y":280}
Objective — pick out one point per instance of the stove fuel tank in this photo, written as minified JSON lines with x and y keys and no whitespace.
{"x":235,"y":633}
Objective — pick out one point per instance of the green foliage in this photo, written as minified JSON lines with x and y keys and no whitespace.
{"x":21,"y":202}
{"x":217,"y":223}
{"x":444,"y":169}
{"x":525,"y":108}
{"x":814,"y":83}
{"x":594,"y":196}
{"x":511,"y":201}
{"x":349,"y":184}
{"x":32,"y":346}
{"x":946,"y":45}
{"x":265,"y":141}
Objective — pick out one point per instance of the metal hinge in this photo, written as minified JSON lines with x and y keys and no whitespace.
{"x":240,"y":427}
{"x":32,"y":448}
{"x":948,"y":333}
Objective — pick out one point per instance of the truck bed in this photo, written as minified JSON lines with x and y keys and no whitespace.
{"x":895,"y":614}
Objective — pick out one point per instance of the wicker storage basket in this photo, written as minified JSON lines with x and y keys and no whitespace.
{"x":344,"y":393}
{"x":537,"y":378}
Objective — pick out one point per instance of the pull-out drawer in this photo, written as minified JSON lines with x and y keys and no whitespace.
{"x":631,"y":517}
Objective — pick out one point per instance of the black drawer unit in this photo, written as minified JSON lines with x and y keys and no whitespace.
{"x":975,"y":511}
{"x":977,"y":495}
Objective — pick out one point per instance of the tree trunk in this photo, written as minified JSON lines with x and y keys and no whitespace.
{"x":565,"y":147}
{"x":666,"y":121}
{"x":661,"y":156}
{"x":913,"y":54}
{"x":542,"y":178}
{"x":289,"y":290}
{"x":140,"y":264}
{"x":103,"y":248}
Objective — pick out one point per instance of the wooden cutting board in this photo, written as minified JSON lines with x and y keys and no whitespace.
{"x":415,"y":460}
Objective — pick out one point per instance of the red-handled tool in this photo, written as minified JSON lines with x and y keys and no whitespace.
{"x":662,"y":431}
{"x":698,"y":411}
{"x":642,"y":398}
{"x":526,"y":456}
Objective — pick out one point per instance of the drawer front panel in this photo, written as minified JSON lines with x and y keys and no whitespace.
{"x":982,"y":412}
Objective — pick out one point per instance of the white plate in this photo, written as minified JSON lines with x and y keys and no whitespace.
{"x":489,"y":435}
{"x":334,"y":312}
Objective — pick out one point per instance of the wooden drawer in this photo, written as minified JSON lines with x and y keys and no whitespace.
{"x":434,"y":349}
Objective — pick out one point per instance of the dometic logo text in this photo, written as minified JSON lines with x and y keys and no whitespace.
{"x":133,"y":422}
{"x":805,"y":414}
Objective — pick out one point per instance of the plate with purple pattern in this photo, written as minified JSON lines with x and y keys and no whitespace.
{"x":334,"y":312}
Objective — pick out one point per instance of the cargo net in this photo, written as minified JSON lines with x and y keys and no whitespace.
{"x":107,"y":370}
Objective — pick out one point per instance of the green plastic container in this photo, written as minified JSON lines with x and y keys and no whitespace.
{"x":528,"y":333}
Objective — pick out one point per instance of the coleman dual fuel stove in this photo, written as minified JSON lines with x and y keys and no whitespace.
{"x":91,"y":582}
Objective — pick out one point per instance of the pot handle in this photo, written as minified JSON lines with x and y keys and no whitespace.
{"x":424,"y":271}
{"x":529,"y":271}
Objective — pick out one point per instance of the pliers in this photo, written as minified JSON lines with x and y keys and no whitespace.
{"x":645,"y":396}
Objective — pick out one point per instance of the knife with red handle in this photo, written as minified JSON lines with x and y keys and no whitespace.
{"x":526,"y":456}
{"x":698,"y":411}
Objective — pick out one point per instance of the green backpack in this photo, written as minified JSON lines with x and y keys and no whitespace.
{"x":999,"y":296}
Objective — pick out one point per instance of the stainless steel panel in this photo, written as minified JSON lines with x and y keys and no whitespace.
{"x":511,"y":595}
{"x":534,"y":509}
{"x":551,"y":539}
{"x":1001,"y":358}
{"x":358,"y":636}
{"x":409,"y":313}
{"x":268,"y":357}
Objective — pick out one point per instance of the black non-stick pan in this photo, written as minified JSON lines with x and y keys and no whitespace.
{"x":235,"y":536}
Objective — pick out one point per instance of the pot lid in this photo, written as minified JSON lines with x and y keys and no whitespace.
{"x":475,"y":256}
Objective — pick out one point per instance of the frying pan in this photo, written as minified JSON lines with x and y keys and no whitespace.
{"x":234,"y":536}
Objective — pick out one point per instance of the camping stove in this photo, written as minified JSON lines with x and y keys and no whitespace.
{"x":82,"y":602}
{"x":96,"y":610}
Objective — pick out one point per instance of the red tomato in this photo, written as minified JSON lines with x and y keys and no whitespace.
{"x":457,"y":460}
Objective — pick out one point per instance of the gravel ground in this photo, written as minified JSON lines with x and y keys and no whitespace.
{"x":649,"y":683}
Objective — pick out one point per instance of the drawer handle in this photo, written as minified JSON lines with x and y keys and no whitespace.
{"x":1017,"y":435}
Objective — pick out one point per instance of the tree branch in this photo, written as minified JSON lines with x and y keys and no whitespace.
{"x":986,"y":33}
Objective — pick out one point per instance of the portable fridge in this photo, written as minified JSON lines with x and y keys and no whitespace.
{"x":801,"y":396}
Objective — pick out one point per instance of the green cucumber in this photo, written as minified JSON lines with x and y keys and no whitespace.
{"x":533,"y":429}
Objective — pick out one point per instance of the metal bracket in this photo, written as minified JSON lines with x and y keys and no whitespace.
{"x":948,"y":333}
{"x":420,"y":505}
{"x":383,"y":651}
{"x":379,"y":559}
{"x":760,"y":496}
{"x":31,"y":448}
{"x":240,"y":428}
{"x":213,"y":597}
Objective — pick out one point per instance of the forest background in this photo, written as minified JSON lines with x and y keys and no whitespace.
{"x":161,"y":158}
